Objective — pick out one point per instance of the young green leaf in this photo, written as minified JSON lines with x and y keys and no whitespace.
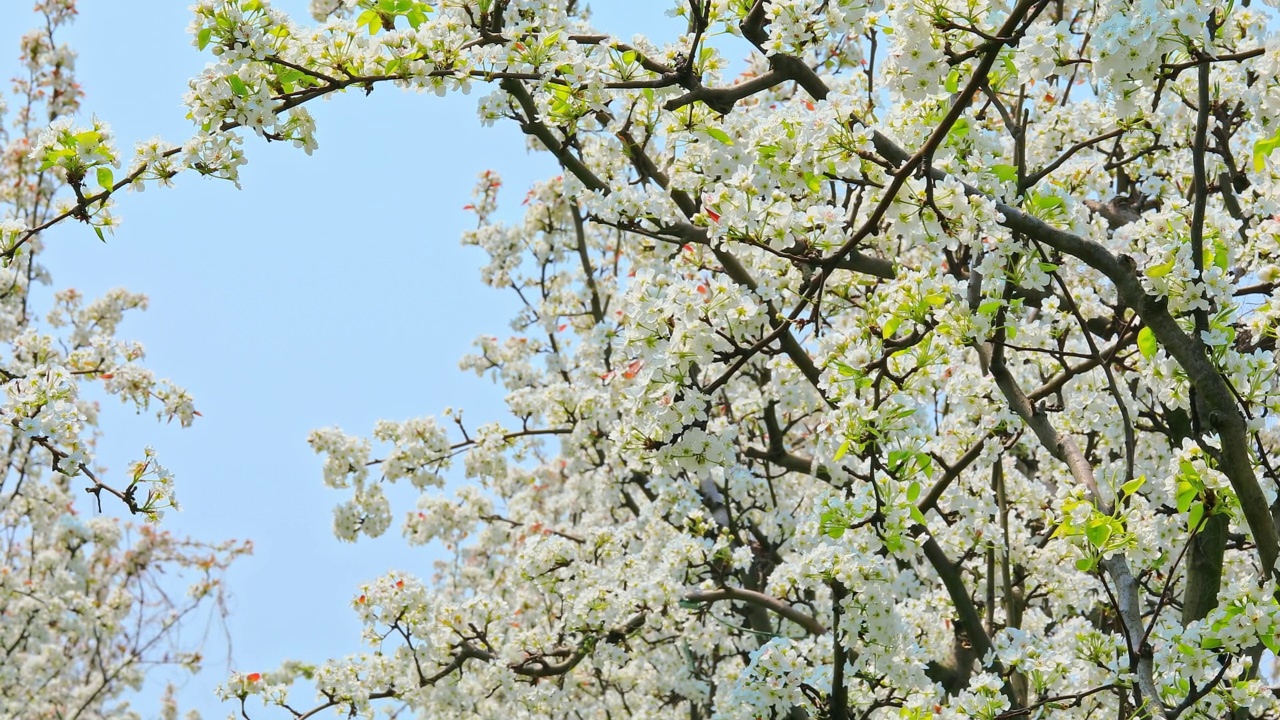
{"x":1262,"y":149}
{"x":1147,"y":343}
{"x":1133,"y":485}
{"x":1159,"y":271}
{"x":1098,"y":531}
{"x":1194,"y":515}
{"x":918,"y":516}
{"x":237,"y":85}
{"x":720,"y":135}
{"x":1006,"y":173}
{"x":990,"y":307}
{"x":952,"y":83}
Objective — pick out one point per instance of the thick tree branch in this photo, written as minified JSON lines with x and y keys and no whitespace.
{"x":758,"y":599}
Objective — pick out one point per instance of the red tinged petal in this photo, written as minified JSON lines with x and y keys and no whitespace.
{"x":632,"y":369}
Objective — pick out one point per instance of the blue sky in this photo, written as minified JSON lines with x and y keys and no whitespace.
{"x":331,"y":290}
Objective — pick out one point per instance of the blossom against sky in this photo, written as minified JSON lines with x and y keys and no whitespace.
{"x":331,"y":290}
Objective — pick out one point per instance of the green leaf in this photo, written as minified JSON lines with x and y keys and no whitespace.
{"x":1084,"y":564}
{"x":913,"y":492}
{"x":1006,"y":173}
{"x":371,"y":19}
{"x":1220,"y":255}
{"x":203,"y":37}
{"x":1271,"y":641}
{"x":629,"y":57}
{"x":952,"y":83}
{"x":1187,"y":493}
{"x":1098,"y":531}
{"x":1047,"y":202}
{"x":845,"y":369}
{"x":1147,"y":343}
{"x":105,"y":179}
{"x":898,"y":459}
{"x":690,"y":604}
{"x":1194,"y":515}
{"x":1159,"y":271}
{"x":720,"y":135}
{"x":890,"y":327}
{"x":1133,"y":485}
{"x":833,"y":524}
{"x":98,"y":230}
{"x":990,"y":307}
{"x":1262,"y":149}
{"x":842,"y":451}
{"x":918,"y":516}
{"x":1048,"y":267}
{"x":237,"y":85}
{"x":288,"y":77}
{"x":926,"y":464}
{"x":813,"y":181}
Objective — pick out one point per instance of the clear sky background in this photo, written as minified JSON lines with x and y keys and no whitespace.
{"x":331,"y":290}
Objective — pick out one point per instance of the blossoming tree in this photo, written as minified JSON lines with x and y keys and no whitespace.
{"x":923,"y":369}
{"x":84,"y":610}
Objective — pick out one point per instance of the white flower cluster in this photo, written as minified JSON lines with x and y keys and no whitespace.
{"x":89,"y":603}
{"x":853,"y":379}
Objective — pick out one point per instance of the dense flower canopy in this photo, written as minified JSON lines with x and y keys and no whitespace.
{"x":958,"y":311}
{"x":924,"y":368}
